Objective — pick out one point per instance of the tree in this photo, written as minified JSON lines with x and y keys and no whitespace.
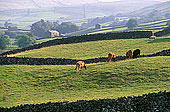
{"x":132,"y":23}
{"x":168,"y":22}
{"x":67,"y":27}
{"x":2,"y":44}
{"x":24,"y":41}
{"x":7,"y":39}
{"x":41,"y":27}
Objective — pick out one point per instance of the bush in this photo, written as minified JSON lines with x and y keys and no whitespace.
{"x":24,"y":40}
{"x":13,"y":34}
{"x":163,"y":32}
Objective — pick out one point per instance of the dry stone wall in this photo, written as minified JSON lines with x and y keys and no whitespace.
{"x":152,"y":102}
{"x":63,"y":61}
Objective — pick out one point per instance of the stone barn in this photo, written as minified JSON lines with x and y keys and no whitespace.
{"x":52,"y":33}
{"x":98,"y":26}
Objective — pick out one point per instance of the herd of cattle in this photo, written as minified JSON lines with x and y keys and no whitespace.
{"x":111,"y":56}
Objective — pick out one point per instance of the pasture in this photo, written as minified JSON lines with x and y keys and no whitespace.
{"x":23,"y":84}
{"x":32,"y":84}
{"x":153,"y":26}
{"x":87,"y":50}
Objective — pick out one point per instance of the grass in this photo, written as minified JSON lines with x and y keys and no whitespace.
{"x":24,"y":84}
{"x":47,"y":39}
{"x":2,"y":31}
{"x":149,"y":26}
{"x":96,"y":49}
{"x":156,"y":22}
{"x":32,"y":84}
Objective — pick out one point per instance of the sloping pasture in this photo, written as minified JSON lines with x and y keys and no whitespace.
{"x":24,"y":84}
{"x":32,"y":84}
{"x":95,"y":49}
{"x":152,"y":26}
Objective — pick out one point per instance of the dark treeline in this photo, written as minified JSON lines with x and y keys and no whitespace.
{"x":152,"y":102}
{"x":85,"y":38}
{"x":163,"y":32}
{"x":62,"y":61}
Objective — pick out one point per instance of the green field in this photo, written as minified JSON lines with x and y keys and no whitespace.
{"x":2,"y":31}
{"x":24,"y":17}
{"x":152,"y":26}
{"x":22,"y":84}
{"x":32,"y":84}
{"x":96,"y":49}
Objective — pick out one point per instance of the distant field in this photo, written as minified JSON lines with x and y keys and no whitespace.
{"x":2,"y":31}
{"x":152,"y":26}
{"x":22,"y":84}
{"x":156,"y":22}
{"x":24,"y":17}
{"x":47,"y":39}
{"x":96,"y":49}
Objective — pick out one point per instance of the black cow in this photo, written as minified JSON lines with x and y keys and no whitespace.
{"x":136,"y":53}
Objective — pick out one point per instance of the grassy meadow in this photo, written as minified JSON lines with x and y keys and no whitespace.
{"x":24,"y":84}
{"x":153,"y":26}
{"x":87,"y":50}
{"x":32,"y":84}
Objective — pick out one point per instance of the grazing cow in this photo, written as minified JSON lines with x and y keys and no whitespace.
{"x":80,"y":64}
{"x":129,"y":54}
{"x":110,"y":56}
{"x":136,"y":53}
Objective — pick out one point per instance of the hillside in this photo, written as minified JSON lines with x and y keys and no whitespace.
{"x":163,"y":8}
{"x":100,"y":48}
{"x":23,"y":84}
{"x":35,"y":84}
{"x":151,"y":26}
{"x":32,"y":84}
{"x":20,"y":4}
{"x":24,"y":13}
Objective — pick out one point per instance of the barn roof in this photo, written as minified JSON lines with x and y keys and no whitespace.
{"x":53,"y":31}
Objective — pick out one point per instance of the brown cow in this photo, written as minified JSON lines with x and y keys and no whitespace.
{"x":110,"y":56}
{"x":136,"y":53}
{"x":129,"y":54}
{"x":80,"y":64}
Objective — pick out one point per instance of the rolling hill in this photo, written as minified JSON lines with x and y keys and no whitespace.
{"x":32,"y":84}
{"x":151,"y":26}
{"x":100,"y":48}
{"x":24,"y":13}
{"x":20,"y":4}
{"x":23,"y":84}
{"x":163,"y":8}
